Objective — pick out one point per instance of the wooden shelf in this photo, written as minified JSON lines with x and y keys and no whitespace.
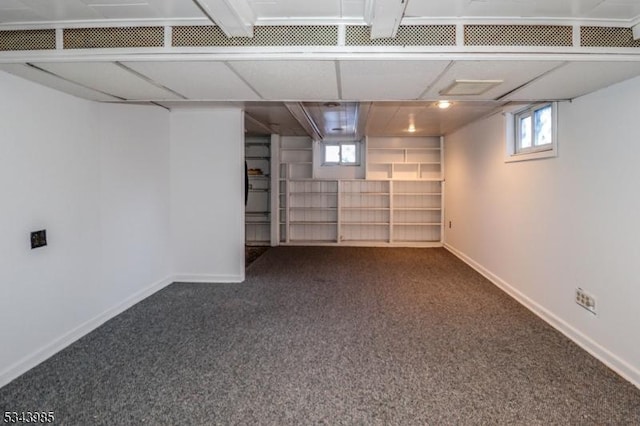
{"x":359,"y":194}
{"x":257,"y":214}
{"x":416,"y":224}
{"x":418,"y":208}
{"x":314,"y":208}
{"x":312,"y":223}
{"x":417,"y":193}
{"x":365,"y":223}
{"x":366,"y":208}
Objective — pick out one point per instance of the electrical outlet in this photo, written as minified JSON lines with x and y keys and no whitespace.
{"x":586,"y":300}
{"x":38,"y":239}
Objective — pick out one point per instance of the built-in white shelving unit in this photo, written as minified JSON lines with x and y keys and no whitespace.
{"x":296,"y":158}
{"x":257,"y":153}
{"x":417,"y":158}
{"x":399,"y":202}
{"x":417,"y":211}
{"x":365,"y":211}
{"x":313,"y":211}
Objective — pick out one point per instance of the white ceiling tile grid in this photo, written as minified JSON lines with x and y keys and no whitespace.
{"x":109,"y":78}
{"x":512,"y":73}
{"x":388,"y":80}
{"x":54,"y":82}
{"x":576,"y":79}
{"x":290,"y":80}
{"x":197,"y":80}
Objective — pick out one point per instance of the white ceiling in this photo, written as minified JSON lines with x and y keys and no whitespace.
{"x":569,"y":9}
{"x":400,"y":88}
{"x":17,"y":11}
{"x":181,"y":83}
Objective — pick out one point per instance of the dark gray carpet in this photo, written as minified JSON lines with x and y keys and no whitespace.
{"x":329,"y":336}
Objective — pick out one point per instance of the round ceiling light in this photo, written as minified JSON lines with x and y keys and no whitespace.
{"x":443,"y":104}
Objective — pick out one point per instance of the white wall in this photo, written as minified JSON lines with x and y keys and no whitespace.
{"x":96,"y":177}
{"x":207,"y":195}
{"x":134,"y":195}
{"x":542,"y":228}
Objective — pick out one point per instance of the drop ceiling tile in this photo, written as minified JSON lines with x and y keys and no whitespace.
{"x":290,"y":80}
{"x":19,"y":15}
{"x":296,"y":9}
{"x":353,"y":9}
{"x":176,"y":9}
{"x":576,"y":79}
{"x":616,"y":9}
{"x":388,"y":80}
{"x":114,"y":2}
{"x":11,"y":4}
{"x":66,"y":10}
{"x":110,"y":78}
{"x":508,"y":8}
{"x":197,"y":80}
{"x":513,"y":74}
{"x":129,"y":11}
{"x":49,"y":80}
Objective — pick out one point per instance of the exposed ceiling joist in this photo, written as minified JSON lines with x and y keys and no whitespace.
{"x":636,"y":31}
{"x":234,"y":17}
{"x":387,"y":15}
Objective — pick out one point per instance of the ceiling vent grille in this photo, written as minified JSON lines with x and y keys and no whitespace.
{"x":408,"y":35}
{"x":28,"y":40}
{"x":108,"y":38}
{"x":286,"y":35}
{"x":607,"y":37}
{"x":518,"y":35}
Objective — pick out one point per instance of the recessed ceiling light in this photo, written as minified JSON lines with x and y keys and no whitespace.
{"x":470,"y":87}
{"x":412,"y":128}
{"x":443,"y":104}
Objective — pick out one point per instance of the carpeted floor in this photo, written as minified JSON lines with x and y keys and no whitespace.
{"x":329,"y":336}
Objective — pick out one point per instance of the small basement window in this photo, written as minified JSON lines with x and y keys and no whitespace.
{"x":341,"y":154}
{"x":531,"y":132}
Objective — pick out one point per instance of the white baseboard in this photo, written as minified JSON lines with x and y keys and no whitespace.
{"x":30,"y":361}
{"x":617,"y":364}
{"x":213,"y":279}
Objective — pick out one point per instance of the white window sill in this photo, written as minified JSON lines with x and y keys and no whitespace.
{"x":536,"y":155}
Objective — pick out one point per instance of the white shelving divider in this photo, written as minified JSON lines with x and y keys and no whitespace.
{"x":295,"y":162}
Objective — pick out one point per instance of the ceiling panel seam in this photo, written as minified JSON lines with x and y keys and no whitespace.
{"x":249,"y":85}
{"x":436,"y":80}
{"x":149,"y":80}
{"x":538,"y":77}
{"x":74,"y":82}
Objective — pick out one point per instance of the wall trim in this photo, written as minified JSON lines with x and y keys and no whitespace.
{"x":30,"y":361}
{"x":611,"y":360}
{"x":210,"y":279}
